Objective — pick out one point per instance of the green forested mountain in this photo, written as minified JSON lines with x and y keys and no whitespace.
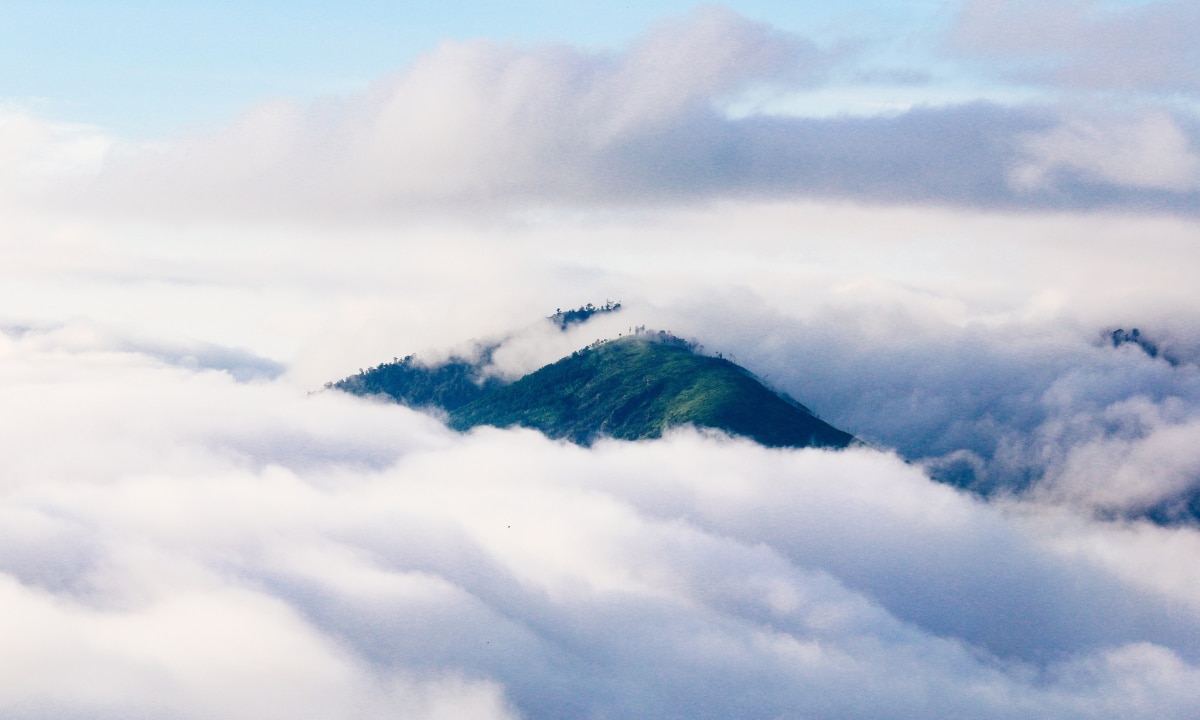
{"x":636,"y":388}
{"x":631,"y":388}
{"x":448,"y":386}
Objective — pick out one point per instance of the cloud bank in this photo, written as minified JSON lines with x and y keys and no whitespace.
{"x":1053,"y":411}
{"x":238,"y":549}
{"x":491,"y":128}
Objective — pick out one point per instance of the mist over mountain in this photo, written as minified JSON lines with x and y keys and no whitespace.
{"x":1005,"y":440}
{"x":630,"y":388}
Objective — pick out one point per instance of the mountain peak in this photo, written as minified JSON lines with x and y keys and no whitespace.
{"x":636,"y":387}
{"x":630,"y":388}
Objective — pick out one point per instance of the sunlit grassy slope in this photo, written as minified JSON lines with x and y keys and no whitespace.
{"x":636,"y":388}
{"x":632,"y":388}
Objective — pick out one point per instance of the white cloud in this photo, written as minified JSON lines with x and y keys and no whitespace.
{"x":1148,"y":151}
{"x":483,"y":128}
{"x":36,"y":155}
{"x":241,"y":549}
{"x":479,"y":127}
{"x":472,"y":122}
{"x":202,"y":652}
{"x":1150,"y":460}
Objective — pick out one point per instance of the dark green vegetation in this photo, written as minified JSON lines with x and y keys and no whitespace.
{"x":1135,"y":337}
{"x":564,"y":319}
{"x":636,"y":388}
{"x":632,"y":388}
{"x":448,"y":386}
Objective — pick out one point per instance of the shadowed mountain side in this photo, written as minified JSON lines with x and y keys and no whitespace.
{"x":447,"y":386}
{"x":636,"y":388}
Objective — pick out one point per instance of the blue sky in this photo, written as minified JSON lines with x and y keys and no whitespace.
{"x":147,"y":70}
{"x":152,"y":68}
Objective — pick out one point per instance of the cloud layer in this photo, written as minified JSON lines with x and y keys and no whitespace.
{"x":234,"y":549}
{"x":488,"y":127}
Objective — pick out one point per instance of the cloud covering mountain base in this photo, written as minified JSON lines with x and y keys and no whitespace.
{"x":233,"y":549}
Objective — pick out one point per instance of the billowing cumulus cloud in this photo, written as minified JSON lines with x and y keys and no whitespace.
{"x":1049,"y":409}
{"x":244,"y":550}
{"x":478,"y":121}
{"x":190,"y":533}
{"x":485,"y":127}
{"x":1081,"y":424}
{"x":1150,"y":151}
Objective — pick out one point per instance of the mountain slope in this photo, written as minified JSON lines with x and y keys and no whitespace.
{"x":447,"y":386}
{"x":630,"y":388}
{"x":636,"y":388}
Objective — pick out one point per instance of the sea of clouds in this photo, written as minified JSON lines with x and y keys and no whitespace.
{"x":179,"y":543}
{"x":190,"y":528}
